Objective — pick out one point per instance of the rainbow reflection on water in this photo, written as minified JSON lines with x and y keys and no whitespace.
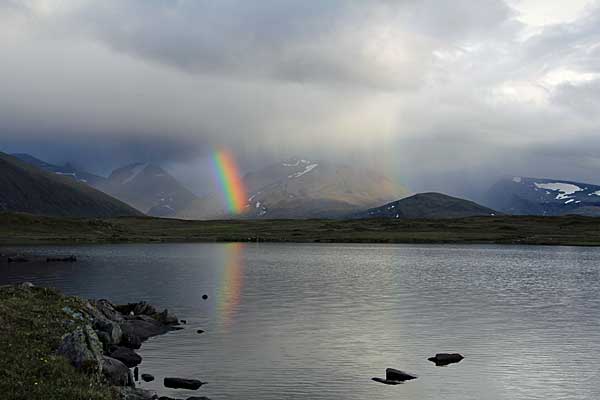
{"x":231,"y":282}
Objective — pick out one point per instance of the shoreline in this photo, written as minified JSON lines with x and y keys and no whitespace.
{"x":25,"y":229}
{"x":59,"y":346}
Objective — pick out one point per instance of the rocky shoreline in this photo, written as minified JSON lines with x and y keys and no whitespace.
{"x":102,"y":337}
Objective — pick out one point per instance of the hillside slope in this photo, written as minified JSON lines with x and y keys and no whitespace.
{"x":149,"y":188}
{"x":538,"y":196}
{"x":26,"y":188}
{"x":428,"y":205}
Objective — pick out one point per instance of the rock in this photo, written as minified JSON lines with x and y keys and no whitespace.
{"x":184,"y":321}
{"x":204,"y":297}
{"x":394,"y":377}
{"x":167,"y":318}
{"x":26,"y":285}
{"x":104,"y":308}
{"x":82,"y":348}
{"x":180,"y":383}
{"x":61,"y":259}
{"x":111,"y":328}
{"x":136,"y":372}
{"x":147,"y":377}
{"x":140,"y":308}
{"x":116,"y":373}
{"x":126,"y":355}
{"x":131,"y":341}
{"x":142,"y":327}
{"x":136,"y":394}
{"x":442,"y":359}
{"x":199,"y":331}
{"x":72,"y":313}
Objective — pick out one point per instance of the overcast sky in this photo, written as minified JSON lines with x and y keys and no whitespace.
{"x":441,"y":93}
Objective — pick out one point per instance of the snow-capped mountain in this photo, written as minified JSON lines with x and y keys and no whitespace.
{"x":536,"y":196}
{"x":301,"y":188}
{"x":67,"y":170}
{"x":148,"y":188}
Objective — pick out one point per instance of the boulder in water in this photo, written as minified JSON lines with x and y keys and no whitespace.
{"x":180,"y":383}
{"x":442,"y":359}
{"x":395,"y":377}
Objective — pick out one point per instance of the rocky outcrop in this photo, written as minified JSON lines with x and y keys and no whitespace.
{"x":82,"y":348}
{"x":126,"y":355}
{"x":116,"y":373}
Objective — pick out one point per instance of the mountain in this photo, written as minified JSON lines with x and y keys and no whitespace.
{"x":300,"y":188}
{"x":67,"y":170}
{"x":428,"y":205}
{"x":537,"y":196}
{"x":26,"y":188}
{"x":149,"y":188}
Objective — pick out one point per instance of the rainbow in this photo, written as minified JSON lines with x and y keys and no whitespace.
{"x":230,"y":181}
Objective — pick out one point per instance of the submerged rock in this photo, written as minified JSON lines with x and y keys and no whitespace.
{"x":442,"y":359}
{"x":200,"y":331}
{"x":180,"y":383}
{"x":116,"y":373}
{"x":395,"y":377}
{"x":82,"y":348}
{"x":204,"y":297}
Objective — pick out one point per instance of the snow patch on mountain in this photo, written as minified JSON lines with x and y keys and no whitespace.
{"x":565,"y":190}
{"x":306,"y":170}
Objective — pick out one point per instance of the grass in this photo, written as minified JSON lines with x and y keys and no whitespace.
{"x":567,"y":230}
{"x":32,"y":322}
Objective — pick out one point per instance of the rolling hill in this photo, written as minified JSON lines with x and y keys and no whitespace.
{"x":429,"y":206}
{"x":26,"y":188}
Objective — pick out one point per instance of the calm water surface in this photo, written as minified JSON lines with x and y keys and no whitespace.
{"x":318,"y":321}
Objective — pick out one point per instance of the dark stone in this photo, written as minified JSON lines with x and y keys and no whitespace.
{"x":140,"y":308}
{"x":143,"y":327}
{"x":184,"y":321}
{"x":116,"y":373}
{"x":180,"y":383}
{"x":136,"y":372}
{"x":82,"y":348}
{"x":136,"y":394}
{"x":126,"y":355}
{"x":131,"y":341}
{"x":394,"y":377}
{"x":147,"y":377}
{"x":167,"y":318}
{"x":111,"y":328}
{"x":199,"y":331}
{"x":392,"y":374}
{"x":443,"y":359}
{"x":204,"y":297}
{"x":61,"y":259}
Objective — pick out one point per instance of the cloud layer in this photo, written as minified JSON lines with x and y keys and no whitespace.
{"x":437,"y":91}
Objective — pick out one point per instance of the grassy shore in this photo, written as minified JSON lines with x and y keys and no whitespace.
{"x":568,"y":230}
{"x":32,"y":321}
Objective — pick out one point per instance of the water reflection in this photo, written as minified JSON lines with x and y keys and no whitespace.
{"x":231,"y":282}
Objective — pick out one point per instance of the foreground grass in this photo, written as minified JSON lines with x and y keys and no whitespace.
{"x":568,"y":230}
{"x":32,"y":322}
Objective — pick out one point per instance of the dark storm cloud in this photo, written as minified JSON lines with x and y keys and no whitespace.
{"x":418,"y":86}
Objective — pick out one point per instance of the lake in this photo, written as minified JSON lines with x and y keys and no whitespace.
{"x":296,"y":321}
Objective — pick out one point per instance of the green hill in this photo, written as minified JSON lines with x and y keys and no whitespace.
{"x":25,"y":188}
